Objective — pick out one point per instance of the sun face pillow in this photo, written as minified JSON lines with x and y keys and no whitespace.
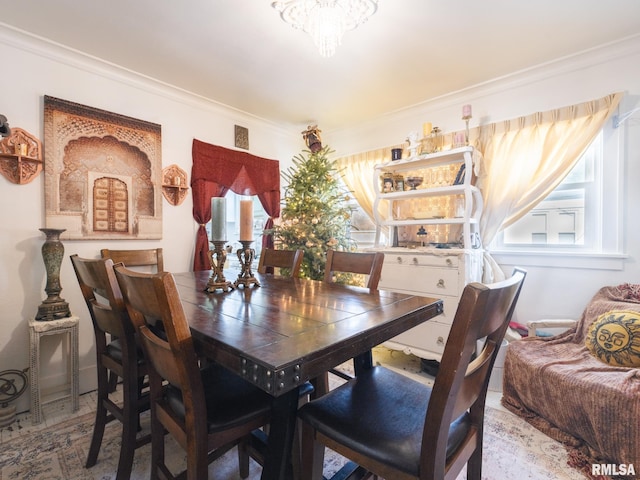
{"x":614,"y":338}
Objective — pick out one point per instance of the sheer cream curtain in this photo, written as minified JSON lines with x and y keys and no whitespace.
{"x":357,"y":173}
{"x":524,"y":160}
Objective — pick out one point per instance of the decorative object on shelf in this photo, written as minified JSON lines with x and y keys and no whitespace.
{"x":20,"y":155}
{"x":241,"y":136}
{"x":5,"y":130}
{"x":414,"y":182}
{"x":466,"y":116}
{"x":246,"y":255}
{"x":396,"y":154}
{"x":53,"y":307}
{"x":436,"y":140}
{"x":312,"y":138}
{"x":327,"y":20}
{"x":459,"y":180}
{"x":421,"y":233}
{"x":217,"y":258}
{"x":174,"y":184}
{"x":104,"y":173}
{"x":13,"y":383}
{"x":414,"y":144}
{"x":386,"y":182}
{"x":398,"y":183}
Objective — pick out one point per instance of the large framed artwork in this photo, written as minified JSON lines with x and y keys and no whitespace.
{"x":103,"y":173}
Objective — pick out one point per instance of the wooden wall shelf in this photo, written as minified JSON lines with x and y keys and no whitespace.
{"x":20,"y":156}
{"x":174,"y":184}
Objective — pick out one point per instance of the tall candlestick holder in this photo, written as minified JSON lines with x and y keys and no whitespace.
{"x":466,"y":119}
{"x":217,"y":258}
{"x":246,"y":255}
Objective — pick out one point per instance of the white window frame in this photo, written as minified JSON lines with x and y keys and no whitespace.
{"x":606,"y":249}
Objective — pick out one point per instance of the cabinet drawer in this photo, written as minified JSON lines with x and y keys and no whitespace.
{"x":430,"y":336}
{"x":420,"y":279}
{"x":446,"y":261}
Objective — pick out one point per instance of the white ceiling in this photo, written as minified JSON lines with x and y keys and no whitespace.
{"x":241,"y":54}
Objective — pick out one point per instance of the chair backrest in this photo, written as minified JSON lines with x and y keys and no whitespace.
{"x":103,"y":298}
{"x":461,"y":384}
{"x":366,"y":263}
{"x":155,"y":308}
{"x":289,"y":259}
{"x":151,"y":257}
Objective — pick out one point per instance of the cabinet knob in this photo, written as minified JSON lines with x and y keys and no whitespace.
{"x":440,"y":283}
{"x":415,"y":261}
{"x":449,"y":262}
{"x":440,"y":341}
{"x":399,"y":259}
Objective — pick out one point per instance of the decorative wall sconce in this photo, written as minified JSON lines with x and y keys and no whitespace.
{"x":174,"y":184}
{"x":20,"y":154}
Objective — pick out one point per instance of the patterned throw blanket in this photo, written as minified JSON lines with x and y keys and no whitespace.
{"x":558,"y":386}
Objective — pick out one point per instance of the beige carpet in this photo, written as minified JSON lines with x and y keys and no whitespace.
{"x":513,"y":450}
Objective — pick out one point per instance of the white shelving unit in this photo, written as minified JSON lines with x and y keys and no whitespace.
{"x":468,"y":217}
{"x":438,"y":269}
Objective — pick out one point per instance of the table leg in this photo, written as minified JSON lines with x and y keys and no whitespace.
{"x":277,"y":462}
{"x":364,"y":361}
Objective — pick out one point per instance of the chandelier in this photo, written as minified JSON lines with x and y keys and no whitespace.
{"x":326,"y":20}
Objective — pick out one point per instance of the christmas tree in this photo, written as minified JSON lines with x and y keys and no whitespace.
{"x":316,"y":215}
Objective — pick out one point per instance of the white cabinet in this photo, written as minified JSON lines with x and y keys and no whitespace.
{"x":445,"y":203}
{"x":432,"y":272}
{"x":447,"y":206}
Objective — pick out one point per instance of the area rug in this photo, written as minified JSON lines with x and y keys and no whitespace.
{"x":513,"y":449}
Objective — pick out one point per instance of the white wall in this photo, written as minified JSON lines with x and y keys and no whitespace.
{"x":562,"y":287}
{"x":38,"y":69}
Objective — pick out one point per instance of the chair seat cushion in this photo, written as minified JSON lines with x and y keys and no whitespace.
{"x":114,"y":350}
{"x":381,"y":415}
{"x":231,"y":400}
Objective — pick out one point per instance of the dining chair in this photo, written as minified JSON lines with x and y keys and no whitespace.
{"x":151,"y":257}
{"x":291,"y":260}
{"x":119,"y":356}
{"x":398,"y":428}
{"x":206,"y":410}
{"x":365,"y":263}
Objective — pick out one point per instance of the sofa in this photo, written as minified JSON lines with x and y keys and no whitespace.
{"x":582,"y":387}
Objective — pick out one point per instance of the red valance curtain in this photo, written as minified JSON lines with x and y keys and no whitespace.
{"x":217,"y":170}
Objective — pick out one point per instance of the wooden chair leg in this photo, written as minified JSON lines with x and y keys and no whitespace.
{"x":243,"y":458}
{"x":130,"y":424}
{"x":312,"y":455}
{"x":101,"y":419}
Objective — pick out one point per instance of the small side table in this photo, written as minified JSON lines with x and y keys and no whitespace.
{"x":37,"y":330}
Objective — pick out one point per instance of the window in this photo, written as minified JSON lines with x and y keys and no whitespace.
{"x":233,"y":228}
{"x":581,"y":217}
{"x":567,"y":217}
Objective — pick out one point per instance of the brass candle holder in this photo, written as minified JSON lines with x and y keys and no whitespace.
{"x":217,"y":258}
{"x":246,"y":255}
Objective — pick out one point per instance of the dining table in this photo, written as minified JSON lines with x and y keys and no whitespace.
{"x":283,"y":332}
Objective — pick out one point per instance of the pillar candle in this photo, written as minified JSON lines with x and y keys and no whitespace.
{"x":246,"y":220}
{"x":466,"y":111}
{"x":218,"y":219}
{"x":426,"y":129}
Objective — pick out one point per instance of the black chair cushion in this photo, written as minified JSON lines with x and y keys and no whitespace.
{"x":381,"y":415}
{"x":114,"y":350}
{"x":231,"y":401}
